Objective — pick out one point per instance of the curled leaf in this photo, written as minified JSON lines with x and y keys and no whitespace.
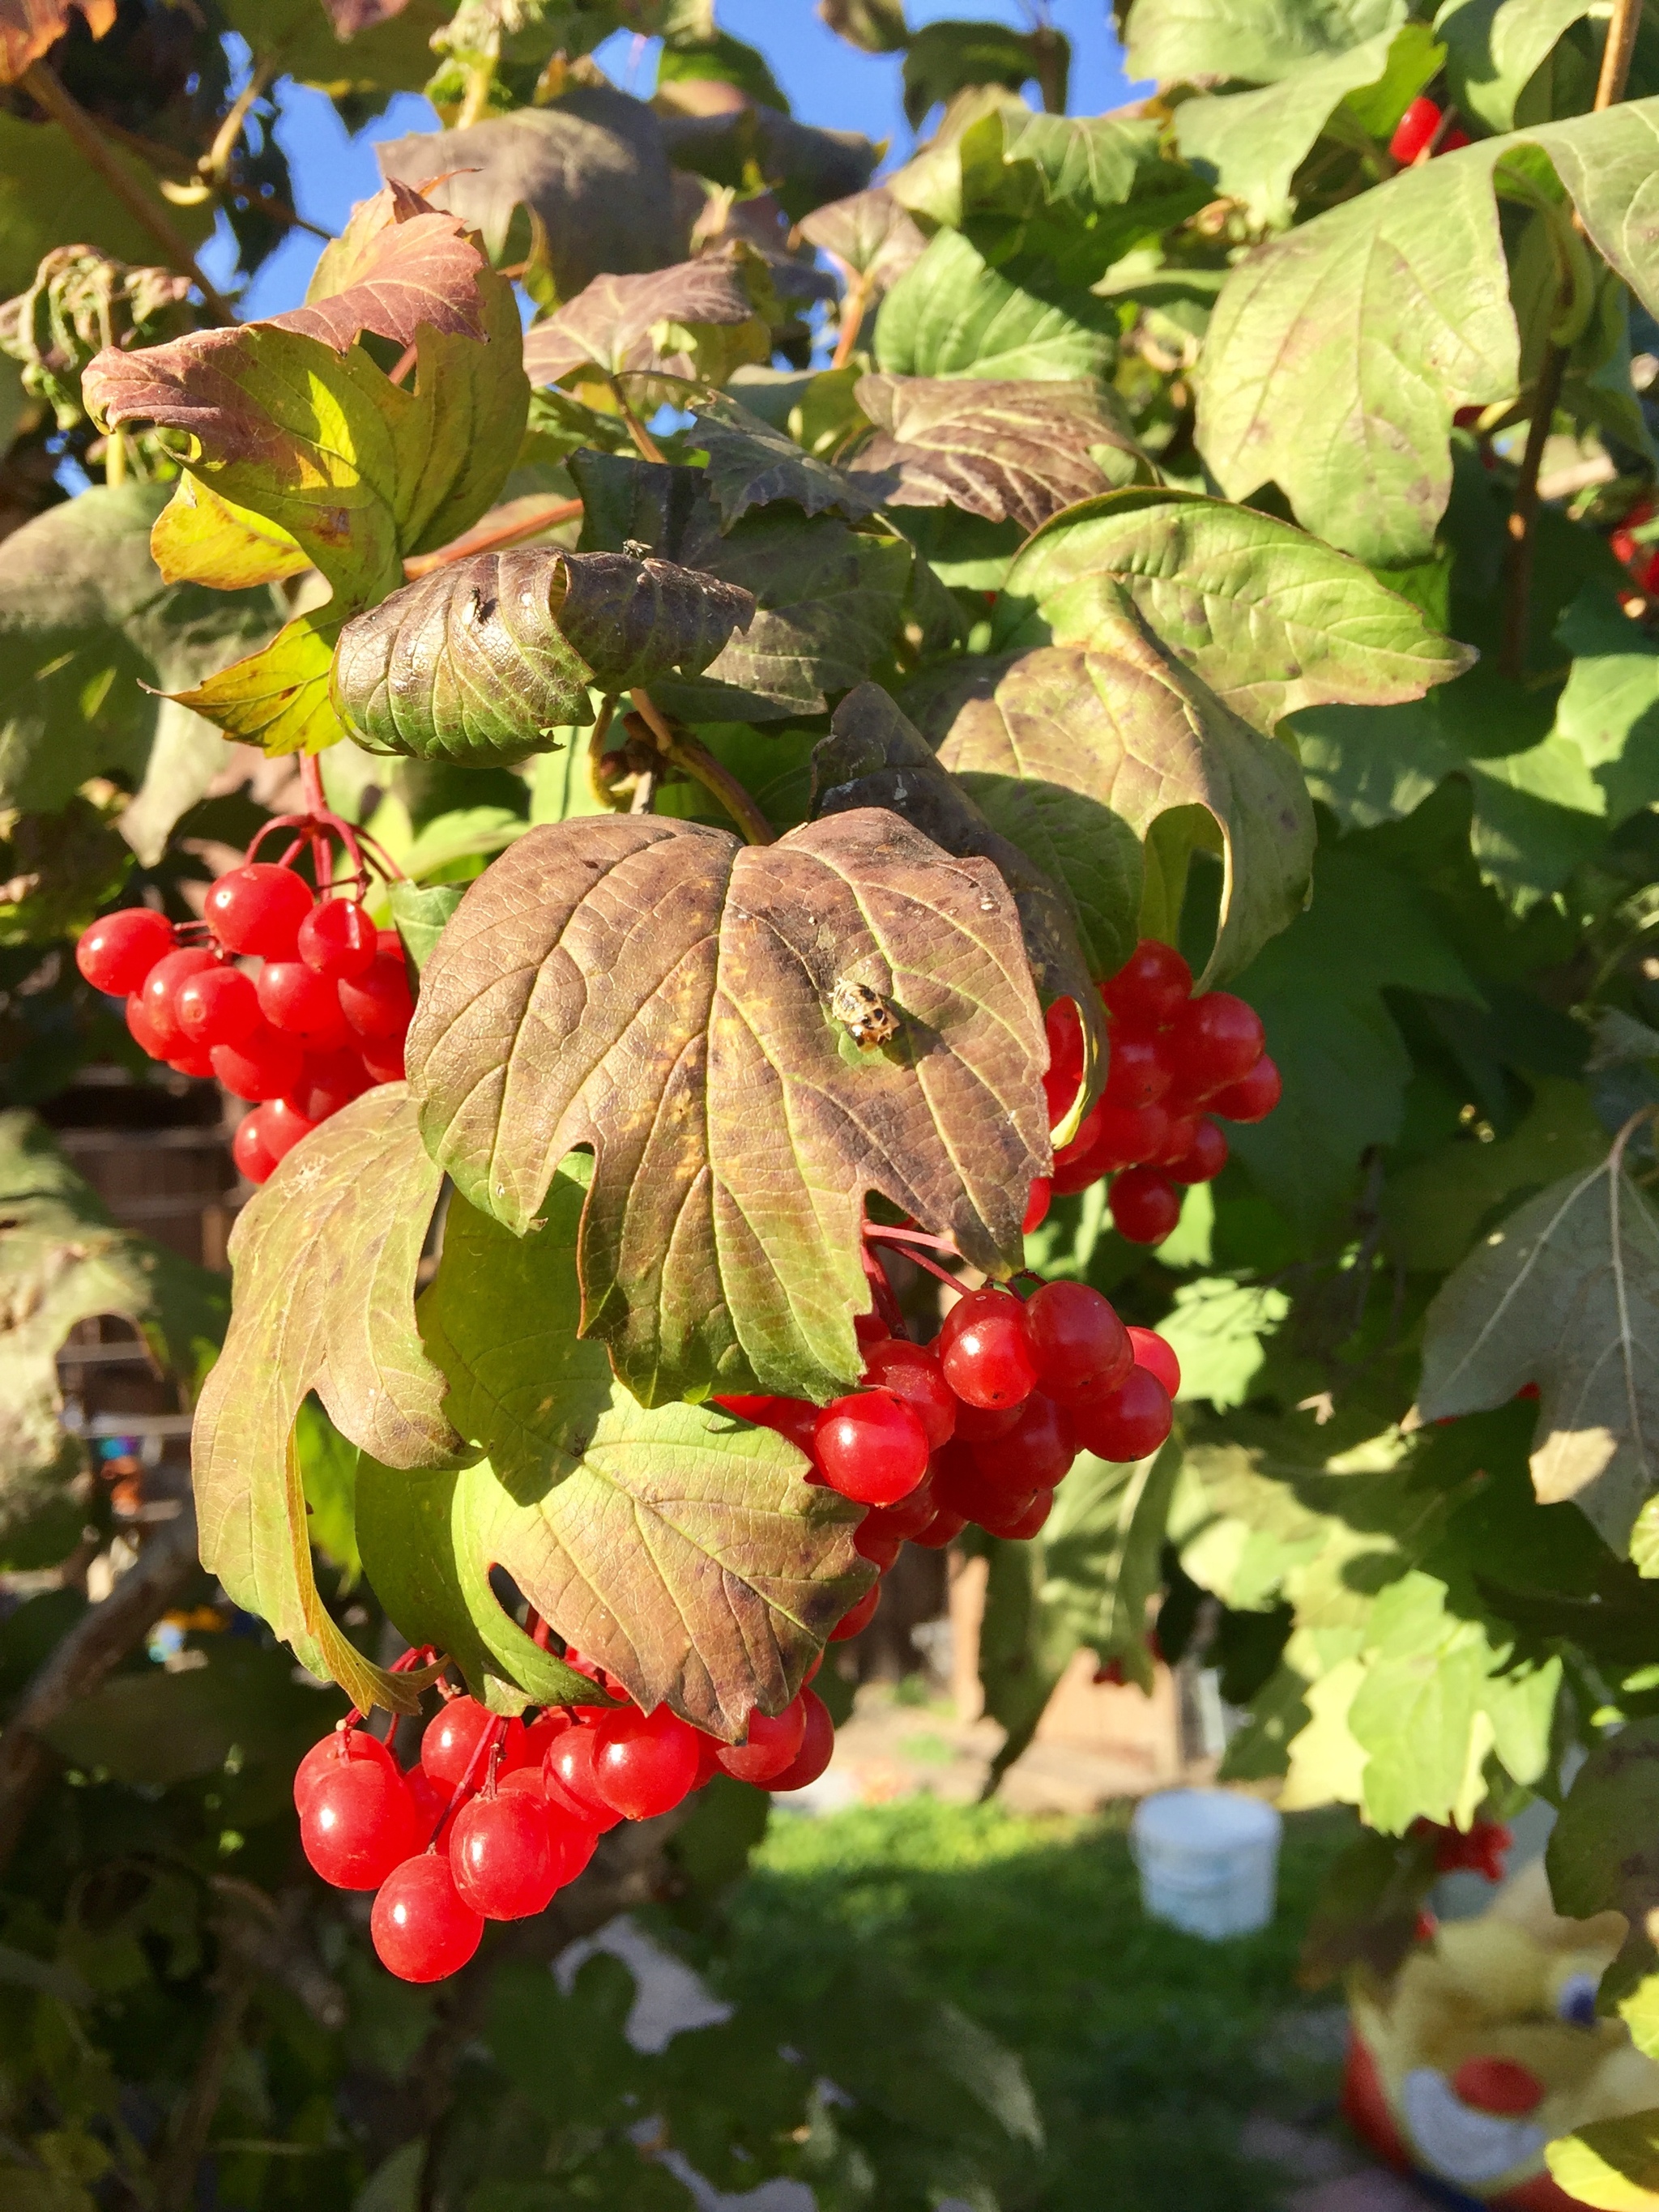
{"x":649,"y":322}
{"x":484,"y":658}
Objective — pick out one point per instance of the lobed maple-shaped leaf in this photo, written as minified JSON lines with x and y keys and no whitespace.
{"x":590,"y":168}
{"x":1258,"y":41}
{"x":1125,"y":729}
{"x":1563,"y":1294}
{"x":482,"y":660}
{"x":324,"y":1259}
{"x":30,"y":28}
{"x":1015,"y":451}
{"x":652,"y":322}
{"x":680,"y":1547}
{"x":954,"y":314}
{"x":870,"y":234}
{"x":660,"y":993}
{"x":941,"y":59}
{"x":752,"y":464}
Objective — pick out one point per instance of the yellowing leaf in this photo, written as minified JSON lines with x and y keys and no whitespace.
{"x":201,"y":537}
{"x":1613,"y":2164}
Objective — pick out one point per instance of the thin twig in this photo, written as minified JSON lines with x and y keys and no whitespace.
{"x":216,"y":161}
{"x":1617,"y":54}
{"x":1438,"y":136}
{"x":176,"y":2167}
{"x":693,"y":756}
{"x":852,"y":306}
{"x":46,"y":91}
{"x":597,"y":736}
{"x":548,"y":515}
{"x":645,"y":444}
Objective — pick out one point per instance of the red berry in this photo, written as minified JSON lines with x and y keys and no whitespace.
{"x":817,"y":1746}
{"x":160,"y":993}
{"x":1064,"y":1027}
{"x":1077,"y":1341}
{"x":1205,"y":1158}
{"x":771,"y":1745}
{"x":254,"y":1156}
{"x":980,"y":1424}
{"x":1030,"y":1522}
{"x":293,"y":998}
{"x":870,"y":1330}
{"x":1037,"y":1451}
{"x":142,"y":1032}
{"x":1037,"y":1205}
{"x":1157,"y":1357}
{"x":1415,"y":128}
{"x":430,"y":1806}
{"x":335,"y":1751}
{"x":420,"y":1927}
{"x":193,"y":1060}
{"x":571,"y":1841}
{"x":871,"y":1446}
{"x":328,"y":1081}
{"x":377,"y":1003}
{"x":1144,"y":1206}
{"x":530,"y":1747}
{"x":944,"y":1528}
{"x":1179,"y":1140}
{"x":794,"y":1418}
{"x":1253,"y":1098}
{"x":645,"y":1763}
{"x":1130,"y":1423}
{"x":449,"y":1742}
{"x":258,"y":907}
{"x":338,"y":939}
{"x":911,"y":1373}
{"x":219,"y":1006}
{"x":1150,"y":988}
{"x":980,"y":1488}
{"x":878,"y":1545}
{"x":910,"y":1515}
{"x":985,"y":1351}
{"x":1136,"y":1074}
{"x":1123,"y":1136}
{"x":570,"y":1766}
{"x":857,"y":1617}
{"x":120,"y":950}
{"x":1217,"y":1040}
{"x":357,"y":1823}
{"x":267,"y":1065}
{"x":383,"y":1057}
{"x":501,"y":1857}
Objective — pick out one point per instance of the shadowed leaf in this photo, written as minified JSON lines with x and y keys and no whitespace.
{"x":651,"y":323}
{"x":943,"y":59}
{"x":870,"y":234}
{"x":662,"y":995}
{"x":1613,"y":2164}
{"x":30,"y":28}
{"x":482,"y":660}
{"x":803,"y":165}
{"x":877,"y":25}
{"x":751,"y":464}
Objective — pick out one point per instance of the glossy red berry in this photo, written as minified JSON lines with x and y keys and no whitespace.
{"x":772,"y":1745}
{"x":218,"y":1006}
{"x":334,"y":1752}
{"x":645,"y":1763}
{"x":328,"y":1081}
{"x":1254,"y":1097}
{"x":1179,"y":1140}
{"x":1122,"y":1137}
{"x":982,"y":1424}
{"x":383,"y":1058}
{"x":878,"y":1545}
{"x":1158,"y":1356}
{"x":570,"y":1771}
{"x":911,"y":1373}
{"x":337,"y":939}
{"x":1131,"y":1423}
{"x":142,"y":1030}
{"x":871,"y":1446}
{"x":378,"y":1003}
{"x":1037,"y":1201}
{"x":1205,"y":1158}
{"x":119,"y":951}
{"x":267,"y":1065}
{"x":422,"y":1928}
{"x":944,"y":1528}
{"x":1150,"y":987}
{"x":1137,"y":1074}
{"x":258,"y":907}
{"x":1145,"y":1205}
{"x":160,"y":993}
{"x":295,"y":999}
{"x":908,"y":1516}
{"x":817,"y":1746}
{"x":191,"y":1060}
{"x":450,"y":1741}
{"x":254,"y":1159}
{"x":1414,"y":130}
{"x":1064,"y":1029}
{"x":430,"y":1806}
{"x":1037,"y":1451}
{"x":502,"y":1857}
{"x":870,"y":1330}
{"x":1030,"y":1522}
{"x":357,"y":1823}
{"x":1217,"y":1040}
{"x":1077,"y":1341}
{"x":857,"y":1617}
{"x":571,"y":1840}
{"x":985,"y":1351}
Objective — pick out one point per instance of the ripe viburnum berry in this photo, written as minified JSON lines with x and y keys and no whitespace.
{"x":985,"y":1351}
{"x":328,"y":1081}
{"x":502,"y":1857}
{"x":1150,"y":987}
{"x":450,"y":1740}
{"x":218,"y":1006}
{"x":644,"y":1763}
{"x":1037,"y":1204}
{"x":1253,"y":1098}
{"x":1037,"y":1451}
{"x":1204,"y":1158}
{"x":422,"y":1928}
{"x":118,"y":951}
{"x":871,"y":1446}
{"x":571,"y":1780}
{"x":297,"y":999}
{"x":912,"y":1372}
{"x":377,"y":1003}
{"x":1133,"y":1422}
{"x":336,"y":1751}
{"x":258,"y":907}
{"x":160,"y":993}
{"x":358,"y":1823}
{"x":1217,"y":1040}
{"x":1145,"y":1205}
{"x":1077,"y":1341}
{"x":1158,"y":1356}
{"x":773,"y":1743}
{"x":857,"y":1617}
{"x":267,"y":1065}
{"x":337,"y":939}
{"x":1137,"y":1074}
{"x":818,"y":1747}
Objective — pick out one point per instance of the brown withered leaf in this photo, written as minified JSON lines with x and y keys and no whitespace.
{"x":481,"y":660}
{"x":324,"y":1260}
{"x":29,"y":29}
{"x":1008,"y":450}
{"x":661,"y":994}
{"x":590,"y":167}
{"x":609,"y":324}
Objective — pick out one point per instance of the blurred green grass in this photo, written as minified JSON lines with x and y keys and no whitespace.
{"x":1146,"y":2048}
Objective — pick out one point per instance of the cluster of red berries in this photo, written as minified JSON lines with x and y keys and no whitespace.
{"x":321,"y":1020}
{"x":497,"y":1815}
{"x":1479,"y":1850}
{"x":1640,"y":557}
{"x":982,"y":1424}
{"x":1414,"y":135}
{"x":1175,"y":1062}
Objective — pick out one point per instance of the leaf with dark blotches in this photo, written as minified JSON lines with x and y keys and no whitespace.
{"x":751,"y":464}
{"x":1015,"y":451}
{"x":324,"y":1260}
{"x":870,"y":234}
{"x":1129,"y":729}
{"x":680,"y":1547}
{"x":873,"y":756}
{"x":483,"y":659}
{"x":590,"y":168}
{"x":658,"y":322}
{"x":662,"y":995}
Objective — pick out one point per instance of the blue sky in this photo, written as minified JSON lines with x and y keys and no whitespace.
{"x":827,"y":82}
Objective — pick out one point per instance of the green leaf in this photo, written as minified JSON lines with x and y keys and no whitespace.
{"x":1609,"y":711}
{"x":1613,"y":2163}
{"x":1566,"y":1294}
{"x":86,"y":620}
{"x":62,"y":1260}
{"x":752,"y":465}
{"x":1433,"y":1210}
{"x":1250,"y":144}
{"x":1319,"y":989}
{"x":420,"y":916}
{"x":1603,"y":1852}
{"x":720,"y":1242}
{"x":1217,"y":1330}
{"x":1258,"y":40}
{"x":324,"y":1259}
{"x":952,"y":314}
{"x":1134,"y":735}
{"x":698,"y":319}
{"x":942,"y":59}
{"x":739,"y":147}
{"x":340,"y":46}
{"x":877,"y":25}
{"x":1271,"y":619}
{"x":483,"y":660}
{"x":721,"y":59}
{"x":590,"y":168}
{"x":1338,"y":354}
{"x":49,"y":192}
{"x":1495,"y":47}
{"x":681,"y":1548}
{"x":1016,"y":451}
